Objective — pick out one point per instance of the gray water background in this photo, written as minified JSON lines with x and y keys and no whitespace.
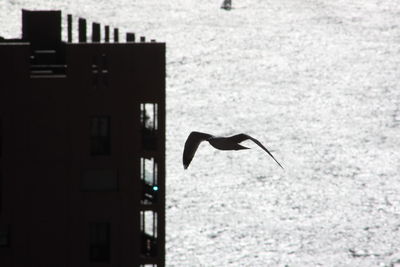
{"x":317,"y":81}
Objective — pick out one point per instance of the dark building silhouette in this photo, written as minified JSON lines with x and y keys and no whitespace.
{"x":82,"y":146}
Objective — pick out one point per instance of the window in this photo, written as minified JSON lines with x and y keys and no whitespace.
{"x":100,"y":141}
{"x":101,"y":180}
{"x":148,"y":228}
{"x":1,"y":137}
{"x":99,"y":70}
{"x":95,"y":71}
{"x":149,"y":122}
{"x":1,"y":191}
{"x":149,"y":116}
{"x":100,"y":242}
{"x":149,"y":178}
{"x":104,"y":70}
{"x":4,"y":236}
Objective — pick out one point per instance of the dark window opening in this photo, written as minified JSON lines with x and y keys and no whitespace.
{"x":95,"y":71}
{"x":100,"y":242}
{"x":99,"y":70}
{"x":104,"y":63}
{"x":100,"y":139}
{"x":4,"y":236}
{"x":149,"y":122}
{"x":1,"y":191}
{"x":149,"y":179}
{"x":148,"y":228}
{"x":1,"y":138}
{"x":99,"y":180}
{"x":104,"y":69}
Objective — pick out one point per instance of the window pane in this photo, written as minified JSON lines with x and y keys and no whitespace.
{"x":100,"y":180}
{"x":1,"y":137}
{"x":148,"y":174}
{"x":4,"y":236}
{"x":99,"y":242}
{"x":148,"y":170}
{"x":149,"y":122}
{"x":100,"y":135}
{"x":3,"y":239}
{"x":149,"y":115}
{"x":148,"y":227}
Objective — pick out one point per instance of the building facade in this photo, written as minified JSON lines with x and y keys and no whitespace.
{"x":82,"y":147}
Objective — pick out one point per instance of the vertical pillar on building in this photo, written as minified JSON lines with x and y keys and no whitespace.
{"x":95,"y":32}
{"x":82,"y":30}
{"x":116,"y":35}
{"x":130,"y":37}
{"x":69,"y":21}
{"x":107,"y":34}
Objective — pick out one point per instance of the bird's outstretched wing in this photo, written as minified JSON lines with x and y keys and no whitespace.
{"x":192,"y":143}
{"x":242,"y":137}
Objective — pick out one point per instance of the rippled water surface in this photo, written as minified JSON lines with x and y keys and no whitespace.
{"x":317,"y":82}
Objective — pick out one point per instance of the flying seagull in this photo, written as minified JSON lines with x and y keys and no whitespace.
{"x":222,"y":143}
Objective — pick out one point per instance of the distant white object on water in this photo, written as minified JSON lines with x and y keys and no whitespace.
{"x":227,"y":5}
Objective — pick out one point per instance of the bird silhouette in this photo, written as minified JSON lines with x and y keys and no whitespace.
{"x":222,"y":143}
